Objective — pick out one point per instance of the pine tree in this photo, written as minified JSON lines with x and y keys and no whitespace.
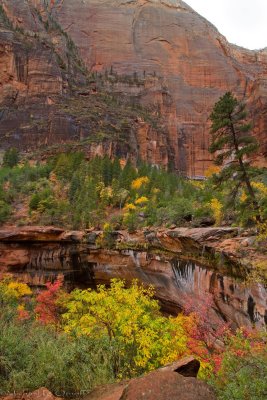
{"x":116,"y":168}
{"x":95,"y":168}
{"x":75,"y":186}
{"x":11,"y":158}
{"x":233,"y":145}
{"x":127,"y":176}
{"x":107,"y":171}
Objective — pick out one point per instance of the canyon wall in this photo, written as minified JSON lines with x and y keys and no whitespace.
{"x":159,"y":54}
{"x":180,"y":265}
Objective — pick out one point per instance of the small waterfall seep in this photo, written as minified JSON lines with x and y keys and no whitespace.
{"x":234,"y":300}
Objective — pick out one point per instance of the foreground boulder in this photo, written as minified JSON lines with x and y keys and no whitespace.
{"x":163,"y":385}
{"x":176,"y":381}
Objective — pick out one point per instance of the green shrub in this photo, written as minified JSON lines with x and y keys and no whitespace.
{"x":130,"y":221}
{"x":5,"y":211}
{"x":34,"y":356}
{"x":177,"y":212}
{"x":67,"y":164}
{"x":34,"y":201}
{"x":108,"y":238}
{"x":243,"y":372}
{"x":11,"y":158}
{"x":42,"y":201}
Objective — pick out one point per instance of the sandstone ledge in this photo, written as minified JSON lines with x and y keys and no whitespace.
{"x":212,"y":246}
{"x":179,"y":263}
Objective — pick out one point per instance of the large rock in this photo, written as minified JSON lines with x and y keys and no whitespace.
{"x":163,"y":385}
{"x":176,"y":381}
{"x":161,"y":54}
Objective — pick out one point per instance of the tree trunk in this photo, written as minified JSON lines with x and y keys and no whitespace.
{"x":246,"y":177}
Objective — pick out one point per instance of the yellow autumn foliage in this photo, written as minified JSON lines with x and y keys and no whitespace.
{"x":130,"y":318}
{"x":198,"y":184}
{"x":18,"y":289}
{"x":107,"y":227}
{"x":259,"y":186}
{"x":243,"y":197}
{"x":141,"y":200}
{"x":139,"y":182}
{"x":258,"y":273}
{"x":129,"y":207}
{"x":262,"y":227}
{"x":212,"y":170}
{"x":14,"y":290}
{"x":216,"y":208}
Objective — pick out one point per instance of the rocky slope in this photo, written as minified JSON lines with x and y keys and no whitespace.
{"x":157,"y":53}
{"x":182,"y":264}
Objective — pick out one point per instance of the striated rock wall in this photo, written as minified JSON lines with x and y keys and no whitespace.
{"x":158,"y":53}
{"x":37,"y":255}
{"x":194,"y":61}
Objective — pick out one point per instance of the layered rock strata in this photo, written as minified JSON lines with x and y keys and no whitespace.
{"x":183,"y":265}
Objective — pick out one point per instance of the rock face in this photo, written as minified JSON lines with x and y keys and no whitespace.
{"x":157,"y":53}
{"x":172,"y":261}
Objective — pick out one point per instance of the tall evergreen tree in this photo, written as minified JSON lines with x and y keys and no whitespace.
{"x":116,"y":168}
{"x":127,"y":176}
{"x":11,"y":158}
{"x":107,"y":171}
{"x":233,"y":145}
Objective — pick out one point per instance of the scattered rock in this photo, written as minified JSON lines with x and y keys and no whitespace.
{"x":249,"y":241}
{"x":91,"y":238}
{"x":151,"y":237}
{"x":39,"y":394}
{"x":173,"y":226}
{"x":107,"y":392}
{"x":203,"y":222}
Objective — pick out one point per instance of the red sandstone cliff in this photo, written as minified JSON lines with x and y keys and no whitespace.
{"x":159,"y":53}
